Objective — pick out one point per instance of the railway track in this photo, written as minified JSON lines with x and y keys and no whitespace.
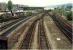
{"x":7,"y":31}
{"x":63,"y":26}
{"x":5,"y":38}
{"x":10,"y":35}
{"x":29,"y":37}
{"x":10,"y":24}
{"x":41,"y":38}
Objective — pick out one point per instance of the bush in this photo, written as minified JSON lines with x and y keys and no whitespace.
{"x":29,"y":14}
{"x":69,"y":15}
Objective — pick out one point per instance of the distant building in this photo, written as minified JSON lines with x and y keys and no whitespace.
{"x":3,"y":7}
{"x":18,"y":7}
{"x":48,"y":8}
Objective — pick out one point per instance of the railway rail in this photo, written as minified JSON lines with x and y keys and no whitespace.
{"x":27,"y":41}
{"x":42,"y":40}
{"x":12,"y":27}
{"x":10,"y":35}
{"x":10,"y":24}
{"x":4,"y":38}
{"x":65,"y":27}
{"x":29,"y":37}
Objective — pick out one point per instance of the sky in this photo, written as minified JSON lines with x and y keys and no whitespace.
{"x":39,"y":3}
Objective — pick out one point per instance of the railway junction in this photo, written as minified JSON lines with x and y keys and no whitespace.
{"x":42,"y":31}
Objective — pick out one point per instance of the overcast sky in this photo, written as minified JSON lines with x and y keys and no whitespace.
{"x":39,"y":2}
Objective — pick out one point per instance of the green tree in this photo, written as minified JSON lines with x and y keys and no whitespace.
{"x":10,"y":6}
{"x":69,"y":15}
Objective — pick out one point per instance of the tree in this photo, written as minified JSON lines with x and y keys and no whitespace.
{"x":10,"y":6}
{"x":69,"y":15}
